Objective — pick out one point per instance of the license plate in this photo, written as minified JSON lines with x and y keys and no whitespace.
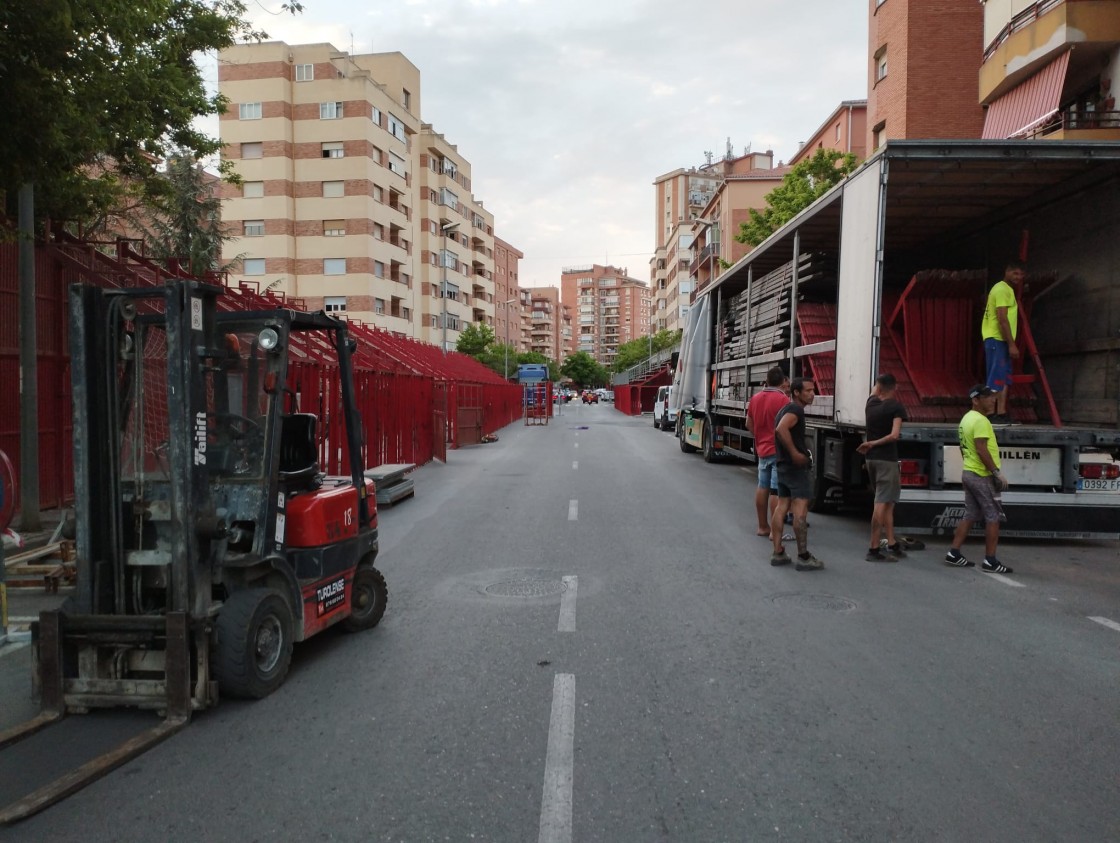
{"x":1086,"y":485}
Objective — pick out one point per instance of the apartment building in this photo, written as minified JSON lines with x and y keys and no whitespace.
{"x":844,"y":130}
{"x":349,"y":201}
{"x":1051,"y":69}
{"x":923,"y":61}
{"x":546,"y":317}
{"x":608,"y":308}
{"x":510,"y":327}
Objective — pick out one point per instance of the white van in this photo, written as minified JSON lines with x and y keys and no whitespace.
{"x":664,"y":417}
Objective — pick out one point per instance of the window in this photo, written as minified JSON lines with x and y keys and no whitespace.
{"x":254,"y":228}
{"x":334,"y":304}
{"x":333,"y":149}
{"x":378,"y":194}
{"x":249,"y":111}
{"x":305,"y":72}
{"x":379,"y":269}
{"x":252,"y":189}
{"x":837,"y":131}
{"x":334,"y":228}
{"x":881,"y":63}
{"x":334,"y":266}
{"x":375,"y":115}
{"x":406,"y":100}
{"x":334,"y":189}
{"x":435,"y":320}
{"x":254,"y":266}
{"x":252,"y":150}
{"x":397,"y":165}
{"x":446,"y":197}
{"x":447,"y":167}
{"x":450,"y":291}
{"x":396,"y":128}
{"x":879,"y":134}
{"x":379,"y":306}
{"x":330,"y":111}
{"x":378,"y":231}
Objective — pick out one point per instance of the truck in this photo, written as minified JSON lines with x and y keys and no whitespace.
{"x":889,"y":272}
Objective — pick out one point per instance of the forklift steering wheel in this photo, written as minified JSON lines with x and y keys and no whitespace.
{"x":236,"y":420}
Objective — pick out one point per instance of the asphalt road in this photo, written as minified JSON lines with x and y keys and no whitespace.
{"x":585,"y":642}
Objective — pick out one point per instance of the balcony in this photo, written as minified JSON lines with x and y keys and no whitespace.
{"x":709,"y":252}
{"x":1081,"y":125}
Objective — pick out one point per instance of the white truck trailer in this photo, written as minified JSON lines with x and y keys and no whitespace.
{"x":889,"y":272}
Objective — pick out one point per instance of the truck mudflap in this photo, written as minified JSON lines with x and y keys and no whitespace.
{"x":1042,"y":515}
{"x":60,"y":693}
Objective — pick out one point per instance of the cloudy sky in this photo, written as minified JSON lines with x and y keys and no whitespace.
{"x":568,"y":109}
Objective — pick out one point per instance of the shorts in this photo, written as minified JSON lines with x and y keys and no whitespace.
{"x":794,"y":482}
{"x":768,"y":472}
{"x":998,"y":359}
{"x":886,"y":480}
{"x":982,"y":498}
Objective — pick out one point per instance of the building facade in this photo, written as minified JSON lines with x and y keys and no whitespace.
{"x":509,"y":326}
{"x":348,"y":200}
{"x":608,"y":308}
{"x":845,"y":130}
{"x":1051,"y":69}
{"x":923,"y":61}
{"x":550,"y":323}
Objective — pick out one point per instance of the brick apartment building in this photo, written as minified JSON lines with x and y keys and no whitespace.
{"x":1051,"y":69}
{"x":511,"y":325}
{"x":349,"y":201}
{"x":608,"y":308}
{"x":550,"y":323}
{"x":924,"y":57}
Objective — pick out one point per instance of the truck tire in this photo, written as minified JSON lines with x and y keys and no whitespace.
{"x":708,"y":450}
{"x":369,"y":595}
{"x":685,"y":447}
{"x":253,"y":643}
{"x":821,"y":501}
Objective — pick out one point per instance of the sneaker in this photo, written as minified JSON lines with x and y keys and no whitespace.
{"x":808,"y":563}
{"x":777,"y":559}
{"x":991,"y":565}
{"x":876,"y":554}
{"x":957,"y":560}
{"x":895,"y":550}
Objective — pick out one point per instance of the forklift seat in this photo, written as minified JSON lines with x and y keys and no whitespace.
{"x":299,"y":451}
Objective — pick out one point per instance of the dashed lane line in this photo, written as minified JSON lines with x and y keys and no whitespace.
{"x":556,"y":797}
{"x":573,"y":510}
{"x":1005,"y":580}
{"x":1106,"y":622}
{"x":568,"y":605}
{"x":575,"y":465}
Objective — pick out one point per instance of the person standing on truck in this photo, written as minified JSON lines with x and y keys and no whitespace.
{"x":884,"y":415}
{"x":761,"y":412}
{"x":982,"y":480}
{"x":1000,"y":326}
{"x":795,"y":480}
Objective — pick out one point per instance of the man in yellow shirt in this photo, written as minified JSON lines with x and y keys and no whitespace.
{"x":999,"y":329}
{"x":982,"y":480}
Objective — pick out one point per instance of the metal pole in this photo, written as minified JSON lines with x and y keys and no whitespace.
{"x":28,"y":366}
{"x":443,"y":291}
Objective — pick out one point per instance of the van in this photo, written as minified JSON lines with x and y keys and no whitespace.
{"x":664,"y":417}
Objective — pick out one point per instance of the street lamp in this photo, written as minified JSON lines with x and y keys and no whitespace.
{"x":445,"y":229}
{"x":505,"y":363}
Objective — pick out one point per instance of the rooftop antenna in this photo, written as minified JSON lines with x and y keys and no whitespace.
{"x":708,"y":155}
{"x":730,"y":151}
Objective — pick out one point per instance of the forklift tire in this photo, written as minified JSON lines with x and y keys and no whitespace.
{"x":369,"y":597}
{"x":253,"y":643}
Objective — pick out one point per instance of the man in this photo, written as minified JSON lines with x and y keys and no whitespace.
{"x":884,"y":415}
{"x":795,"y":481}
{"x":982,"y":480}
{"x":1000,"y":326}
{"x":761,"y":412}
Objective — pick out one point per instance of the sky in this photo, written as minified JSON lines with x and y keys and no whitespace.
{"x":567,"y":110}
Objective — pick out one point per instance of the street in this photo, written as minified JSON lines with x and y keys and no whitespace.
{"x":585,"y":642}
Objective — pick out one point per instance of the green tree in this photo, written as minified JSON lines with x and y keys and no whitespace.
{"x":584,"y":369}
{"x":800,"y":187}
{"x":475,"y":339}
{"x":97,"y":91}
{"x":635,"y":351}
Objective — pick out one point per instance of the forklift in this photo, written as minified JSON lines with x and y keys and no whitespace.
{"x":208,"y":539}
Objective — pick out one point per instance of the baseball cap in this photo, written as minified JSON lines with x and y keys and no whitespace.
{"x":980,"y":390}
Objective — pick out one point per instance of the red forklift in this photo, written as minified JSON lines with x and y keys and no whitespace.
{"x":208,"y":539}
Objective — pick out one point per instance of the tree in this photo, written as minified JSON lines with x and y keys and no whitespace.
{"x":584,"y":369}
{"x":800,"y":187}
{"x":474,"y":339}
{"x":635,"y":351}
{"x":96,"y":92}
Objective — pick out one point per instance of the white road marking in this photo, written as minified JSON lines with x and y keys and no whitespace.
{"x":575,"y":465}
{"x":577,"y":444}
{"x":568,"y":605}
{"x":1106,"y":622}
{"x":556,"y":799}
{"x":573,"y":510}
{"x":1005,"y":580}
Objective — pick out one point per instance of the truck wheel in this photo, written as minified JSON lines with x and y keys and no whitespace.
{"x":709,"y":451}
{"x":369,"y":595}
{"x":253,"y":643}
{"x":685,"y":447}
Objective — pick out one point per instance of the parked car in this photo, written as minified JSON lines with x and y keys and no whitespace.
{"x":605,"y":394}
{"x":664,"y":417}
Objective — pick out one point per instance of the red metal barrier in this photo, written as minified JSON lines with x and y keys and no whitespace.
{"x":411,"y":395}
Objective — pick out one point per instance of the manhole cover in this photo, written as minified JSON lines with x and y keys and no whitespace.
{"x":826,"y":602}
{"x":526,"y":588}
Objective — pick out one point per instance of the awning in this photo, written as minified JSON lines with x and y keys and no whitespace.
{"x":1029,"y":104}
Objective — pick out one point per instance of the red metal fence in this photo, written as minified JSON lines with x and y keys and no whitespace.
{"x":414,"y":398}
